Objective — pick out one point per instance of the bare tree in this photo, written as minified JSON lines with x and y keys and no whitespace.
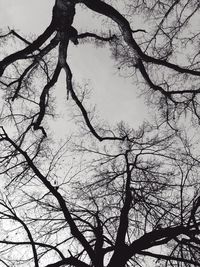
{"x":113,"y":210}
{"x":111,"y":197}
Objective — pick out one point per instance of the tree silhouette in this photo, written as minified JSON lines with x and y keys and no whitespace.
{"x":109,"y":196}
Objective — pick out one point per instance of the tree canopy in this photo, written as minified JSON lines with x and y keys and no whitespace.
{"x":104,"y":195}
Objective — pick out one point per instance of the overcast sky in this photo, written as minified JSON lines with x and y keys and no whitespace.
{"x":115,"y":96}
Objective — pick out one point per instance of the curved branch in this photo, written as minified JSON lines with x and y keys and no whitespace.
{"x":36,"y":243}
{"x":155,"y":87}
{"x":107,"y":10}
{"x":35,"y":45}
{"x":43,"y":97}
{"x":31,"y":241}
{"x":93,"y":35}
{"x":83,"y":110}
{"x":145,"y":75}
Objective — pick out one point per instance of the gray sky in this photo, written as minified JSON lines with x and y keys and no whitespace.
{"x":116,"y":98}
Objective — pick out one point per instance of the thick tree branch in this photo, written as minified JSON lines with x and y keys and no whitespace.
{"x":168,"y":258}
{"x":35,"y":45}
{"x":162,"y":236}
{"x":62,"y":18}
{"x":120,"y":246}
{"x":71,"y":261}
{"x":44,"y":96}
{"x":107,"y":10}
{"x":123,"y":221}
{"x":98,"y":248}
